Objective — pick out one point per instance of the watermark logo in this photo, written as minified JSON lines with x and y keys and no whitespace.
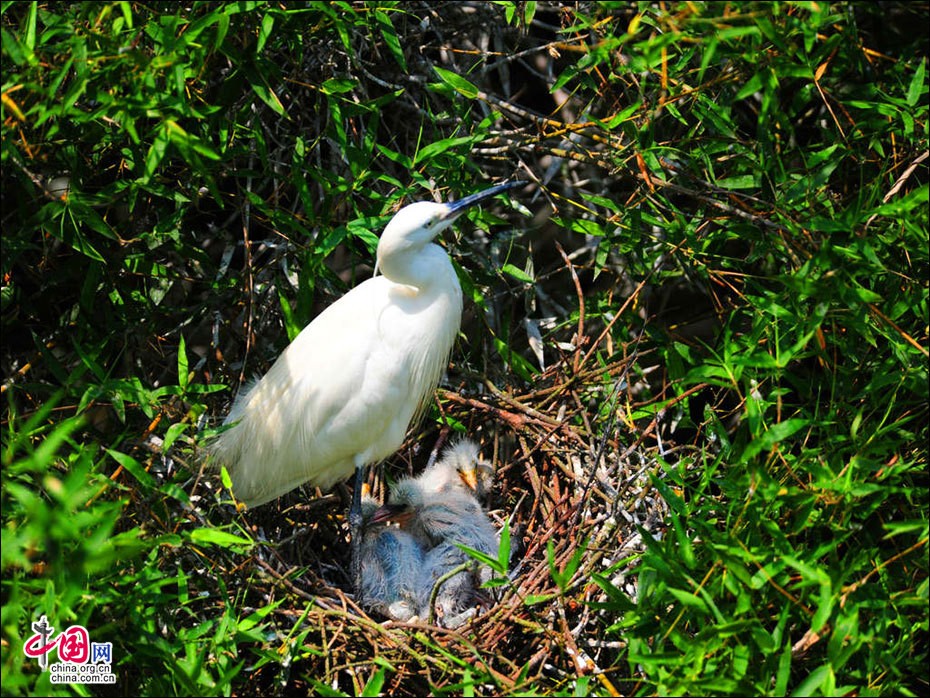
{"x":79,"y":659}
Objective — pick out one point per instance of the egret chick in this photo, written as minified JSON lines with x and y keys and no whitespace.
{"x":389,"y":567}
{"x":458,"y":596}
{"x":460,"y":468}
{"x":343,"y":393}
{"x":475,"y":474}
{"x":438,"y":520}
{"x":441,"y":503}
{"x":439,"y":509}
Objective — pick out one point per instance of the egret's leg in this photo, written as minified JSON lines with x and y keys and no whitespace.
{"x":355,"y":528}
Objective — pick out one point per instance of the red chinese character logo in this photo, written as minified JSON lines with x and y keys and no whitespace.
{"x":74,"y":645}
{"x":34,"y":648}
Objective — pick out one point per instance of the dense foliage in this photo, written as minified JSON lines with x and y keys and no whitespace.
{"x":696,"y":346}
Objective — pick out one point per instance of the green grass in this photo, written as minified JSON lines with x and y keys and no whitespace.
{"x":718,"y":471}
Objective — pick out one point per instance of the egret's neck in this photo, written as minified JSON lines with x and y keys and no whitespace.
{"x":425,"y":268}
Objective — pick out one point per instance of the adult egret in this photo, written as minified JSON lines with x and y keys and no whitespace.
{"x":389,"y":567}
{"x":343,"y":393}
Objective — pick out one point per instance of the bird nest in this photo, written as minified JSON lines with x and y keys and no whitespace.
{"x":575,"y":484}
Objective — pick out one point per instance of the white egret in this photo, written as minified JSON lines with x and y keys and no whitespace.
{"x":343,"y":393}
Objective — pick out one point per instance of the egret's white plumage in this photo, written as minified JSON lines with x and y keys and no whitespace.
{"x":345,"y":390}
{"x":343,"y":393}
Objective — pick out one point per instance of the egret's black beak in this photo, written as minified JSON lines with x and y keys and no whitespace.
{"x":456,"y":208}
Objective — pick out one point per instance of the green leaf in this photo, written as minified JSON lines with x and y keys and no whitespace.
{"x":904,"y":205}
{"x":428,"y":152}
{"x":457,"y":82}
{"x":391,"y":38}
{"x":503,"y":548}
{"x":156,"y":153}
{"x":864,"y":294}
{"x":183,"y":377}
{"x":917,"y":86}
{"x":517,"y":273}
{"x":222,"y":539}
{"x":775,"y":434}
{"x":751,"y":87}
{"x":813,"y":683}
{"x":259,"y":85}
{"x":134,"y":468}
{"x":172,"y":433}
{"x":335,"y":86}
{"x":529,"y":11}
{"x":12,"y":48}
{"x":29,"y":39}
{"x":536,"y":599}
{"x":689,"y":599}
{"x":264,"y":32}
{"x":292,"y":325}
{"x":747,"y":181}
{"x":374,"y":685}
